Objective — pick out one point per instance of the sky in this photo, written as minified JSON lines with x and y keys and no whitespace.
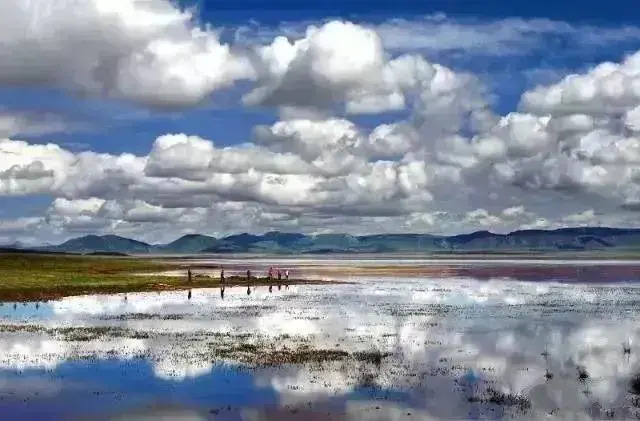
{"x":152,"y":119}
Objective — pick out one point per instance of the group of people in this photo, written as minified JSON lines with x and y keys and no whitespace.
{"x":273,"y":272}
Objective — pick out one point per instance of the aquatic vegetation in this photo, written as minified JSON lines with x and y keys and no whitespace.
{"x":508,"y":399}
{"x":583,"y":375}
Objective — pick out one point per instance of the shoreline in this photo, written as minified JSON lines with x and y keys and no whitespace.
{"x":56,"y":293}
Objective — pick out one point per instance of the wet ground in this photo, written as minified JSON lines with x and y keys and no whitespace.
{"x":472,"y":345}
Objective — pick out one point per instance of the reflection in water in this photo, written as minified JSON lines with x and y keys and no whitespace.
{"x":440,"y":348}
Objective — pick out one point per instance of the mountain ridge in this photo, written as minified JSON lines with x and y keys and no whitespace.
{"x":569,"y":238}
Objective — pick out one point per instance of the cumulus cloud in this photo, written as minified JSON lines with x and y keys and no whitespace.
{"x":607,"y":89}
{"x":449,"y":163}
{"x":344,"y":63}
{"x":149,"y":52}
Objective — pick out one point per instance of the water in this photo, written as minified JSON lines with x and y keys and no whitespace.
{"x":452,"y":348}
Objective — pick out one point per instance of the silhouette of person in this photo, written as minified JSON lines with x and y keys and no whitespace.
{"x":189,"y":275}
{"x":222,"y":275}
{"x":248,"y":274}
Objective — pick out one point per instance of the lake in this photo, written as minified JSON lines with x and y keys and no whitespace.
{"x":405,"y":339}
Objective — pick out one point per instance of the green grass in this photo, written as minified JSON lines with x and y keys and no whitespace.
{"x":38,"y":277}
{"x":29,"y":276}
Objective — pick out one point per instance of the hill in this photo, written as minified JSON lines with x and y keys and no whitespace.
{"x":102,"y":244}
{"x":570,"y":239}
{"x":190,"y":243}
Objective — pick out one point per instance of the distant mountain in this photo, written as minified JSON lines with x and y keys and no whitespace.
{"x":190,"y":243}
{"x":587,"y":238}
{"x":102,"y":244}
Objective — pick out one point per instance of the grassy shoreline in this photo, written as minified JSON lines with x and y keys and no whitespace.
{"x":42,"y":277}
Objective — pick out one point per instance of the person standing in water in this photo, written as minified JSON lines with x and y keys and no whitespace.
{"x":248,"y":275}
{"x":270,"y":272}
{"x":189,"y":275}
{"x":222,"y":275}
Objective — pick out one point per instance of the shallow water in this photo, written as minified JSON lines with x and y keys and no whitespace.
{"x":454,"y":348}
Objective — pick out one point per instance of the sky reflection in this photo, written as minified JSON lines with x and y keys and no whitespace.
{"x":454,"y":345}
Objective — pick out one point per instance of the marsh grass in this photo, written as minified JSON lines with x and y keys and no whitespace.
{"x":77,"y":334}
{"x":635,"y":385}
{"x":496,"y":397}
{"x":583,"y":374}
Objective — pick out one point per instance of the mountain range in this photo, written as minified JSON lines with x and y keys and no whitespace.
{"x":572,"y":239}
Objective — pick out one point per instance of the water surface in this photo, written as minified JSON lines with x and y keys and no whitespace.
{"x":453,"y":348}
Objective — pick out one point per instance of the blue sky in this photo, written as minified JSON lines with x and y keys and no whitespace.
{"x":503,"y":49}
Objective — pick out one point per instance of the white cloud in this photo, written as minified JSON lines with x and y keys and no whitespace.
{"x":344,"y":63}
{"x":448,"y":164}
{"x":608,"y":89}
{"x":30,"y":169}
{"x":510,"y":36}
{"x":32,"y":123}
{"x":145,"y":51}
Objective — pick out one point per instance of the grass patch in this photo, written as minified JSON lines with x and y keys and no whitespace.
{"x":41,"y":277}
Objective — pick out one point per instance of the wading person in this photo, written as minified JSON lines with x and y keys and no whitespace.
{"x":270,"y":273}
{"x":189,"y":275}
{"x":279,"y":275}
{"x":222,"y":275}
{"x":248,"y":275}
